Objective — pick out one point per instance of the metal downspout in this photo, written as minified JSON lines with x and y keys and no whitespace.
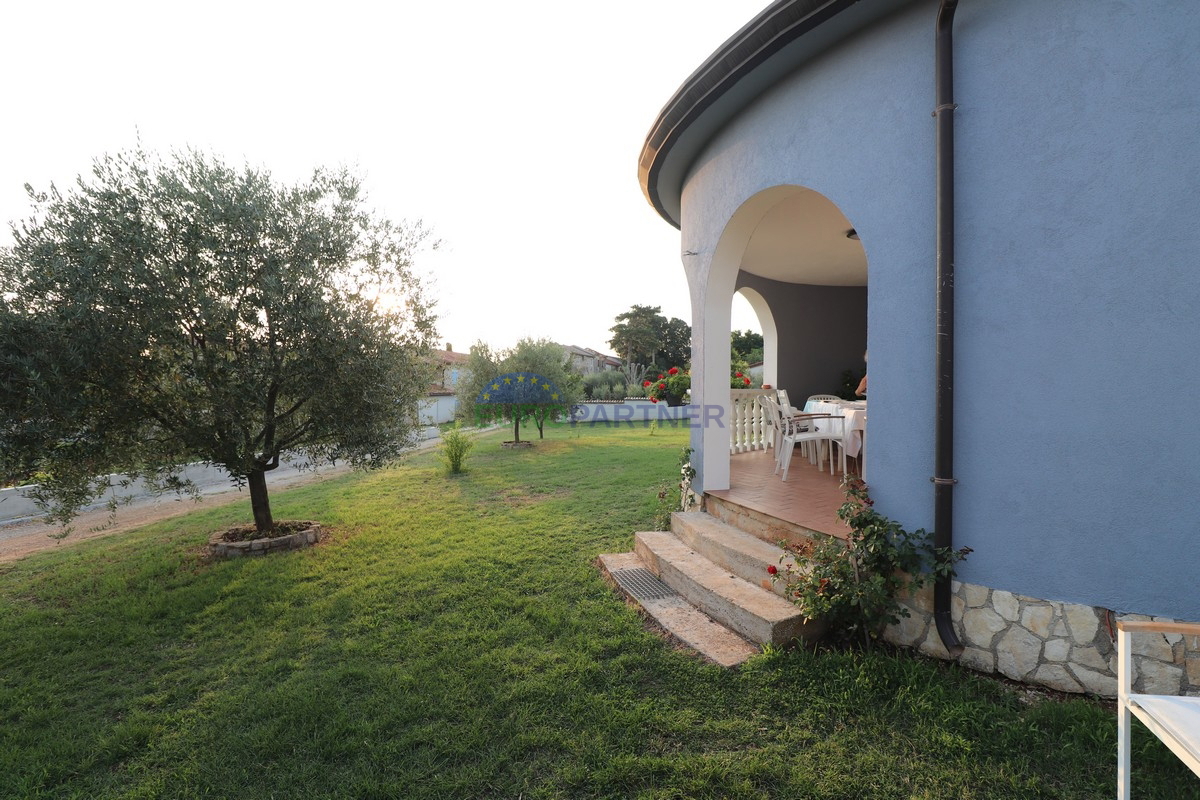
{"x":943,"y":477}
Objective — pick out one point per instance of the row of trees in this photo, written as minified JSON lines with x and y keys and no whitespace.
{"x":483,"y":396}
{"x":642,"y":335}
{"x":165,"y":311}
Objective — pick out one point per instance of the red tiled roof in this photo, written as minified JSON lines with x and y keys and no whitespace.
{"x":451,"y":357}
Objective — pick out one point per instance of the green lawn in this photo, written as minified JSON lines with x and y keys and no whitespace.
{"x":454,"y":640}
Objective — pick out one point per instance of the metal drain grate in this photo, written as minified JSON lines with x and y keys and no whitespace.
{"x":642,"y":584}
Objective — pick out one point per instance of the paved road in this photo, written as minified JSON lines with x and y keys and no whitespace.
{"x":25,"y":534}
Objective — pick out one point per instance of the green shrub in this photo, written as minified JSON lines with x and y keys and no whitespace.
{"x":855,"y":585}
{"x":601,"y":385}
{"x":456,"y":443}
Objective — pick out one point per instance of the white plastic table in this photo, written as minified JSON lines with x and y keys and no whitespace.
{"x":854,"y":421}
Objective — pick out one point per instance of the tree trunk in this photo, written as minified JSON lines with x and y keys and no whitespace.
{"x":259,"y":502}
{"x":516,"y":426}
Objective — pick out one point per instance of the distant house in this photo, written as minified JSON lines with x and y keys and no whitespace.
{"x":441,"y":400}
{"x":587,"y":361}
{"x":1020,"y":253}
{"x":609,"y":363}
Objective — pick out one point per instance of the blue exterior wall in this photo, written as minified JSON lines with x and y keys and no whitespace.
{"x":1078,"y":295}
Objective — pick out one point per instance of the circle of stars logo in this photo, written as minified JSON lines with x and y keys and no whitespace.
{"x":520,"y":388}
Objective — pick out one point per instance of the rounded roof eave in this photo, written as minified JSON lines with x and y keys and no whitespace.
{"x":778,"y":40}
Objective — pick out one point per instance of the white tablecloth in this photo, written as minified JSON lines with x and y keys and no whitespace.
{"x":853,"y":425}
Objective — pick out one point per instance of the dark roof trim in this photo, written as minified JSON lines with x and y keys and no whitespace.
{"x":783,"y":36}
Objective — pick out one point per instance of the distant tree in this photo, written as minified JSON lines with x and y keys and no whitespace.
{"x":746,"y":346}
{"x":487,"y":394}
{"x":637,"y":333}
{"x":482,"y":368}
{"x":545,"y":358}
{"x":643,"y":335}
{"x":168,"y":311}
{"x":676,"y":347}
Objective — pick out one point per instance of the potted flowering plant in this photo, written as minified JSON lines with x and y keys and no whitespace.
{"x":670,"y":387}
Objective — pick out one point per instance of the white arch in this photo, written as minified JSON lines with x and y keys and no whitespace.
{"x":766,"y":321}
{"x":763,"y":230}
{"x":711,"y":314}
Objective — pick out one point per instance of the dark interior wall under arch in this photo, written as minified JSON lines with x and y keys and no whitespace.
{"x":822,"y":332}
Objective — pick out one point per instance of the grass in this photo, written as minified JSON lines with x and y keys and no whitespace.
{"x":453,"y":640}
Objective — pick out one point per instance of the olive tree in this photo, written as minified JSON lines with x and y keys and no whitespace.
{"x":497,"y":387}
{"x":168,"y":310}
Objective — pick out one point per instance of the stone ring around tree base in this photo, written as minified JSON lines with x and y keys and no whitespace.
{"x":236,"y":542}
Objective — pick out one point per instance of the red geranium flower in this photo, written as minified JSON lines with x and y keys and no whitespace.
{"x":662,"y":386}
{"x":737,"y":374}
{"x":661,"y":376}
{"x":645,"y":383}
{"x":653,"y":399}
{"x":673,"y":371}
{"x":772,"y":569}
{"x":747,"y":380}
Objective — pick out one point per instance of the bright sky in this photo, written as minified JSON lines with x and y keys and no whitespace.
{"x":512,"y":129}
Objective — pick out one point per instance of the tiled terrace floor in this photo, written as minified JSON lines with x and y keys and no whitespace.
{"x":810,"y":497}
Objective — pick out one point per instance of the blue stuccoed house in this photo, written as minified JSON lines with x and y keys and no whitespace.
{"x":1001,"y":201}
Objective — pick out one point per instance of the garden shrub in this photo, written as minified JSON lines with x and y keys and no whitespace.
{"x":456,"y":444}
{"x":855,"y":585}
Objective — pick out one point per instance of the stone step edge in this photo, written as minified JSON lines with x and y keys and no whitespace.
{"x":679,"y":621}
{"x":755,"y":613}
{"x":760,"y":524}
{"x":731,"y":548}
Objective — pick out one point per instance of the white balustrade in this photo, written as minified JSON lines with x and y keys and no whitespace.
{"x":748,"y":426}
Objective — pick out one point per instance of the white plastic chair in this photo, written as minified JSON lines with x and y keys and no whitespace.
{"x":831,"y":429}
{"x":791,"y":429}
{"x":788,"y":410}
{"x":775,"y":417}
{"x":1174,"y":720}
{"x":824,"y":398}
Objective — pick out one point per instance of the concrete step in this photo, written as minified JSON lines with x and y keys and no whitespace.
{"x":753,"y":612}
{"x":763,"y":525}
{"x":731,"y":548}
{"x":679,"y":619}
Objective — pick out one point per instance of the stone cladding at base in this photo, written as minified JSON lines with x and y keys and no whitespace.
{"x":1063,"y":646}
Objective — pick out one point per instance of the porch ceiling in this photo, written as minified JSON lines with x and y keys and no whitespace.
{"x":802,"y":239}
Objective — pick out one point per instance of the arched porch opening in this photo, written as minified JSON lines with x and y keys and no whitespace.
{"x":802,"y":266}
{"x":766,"y":325}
